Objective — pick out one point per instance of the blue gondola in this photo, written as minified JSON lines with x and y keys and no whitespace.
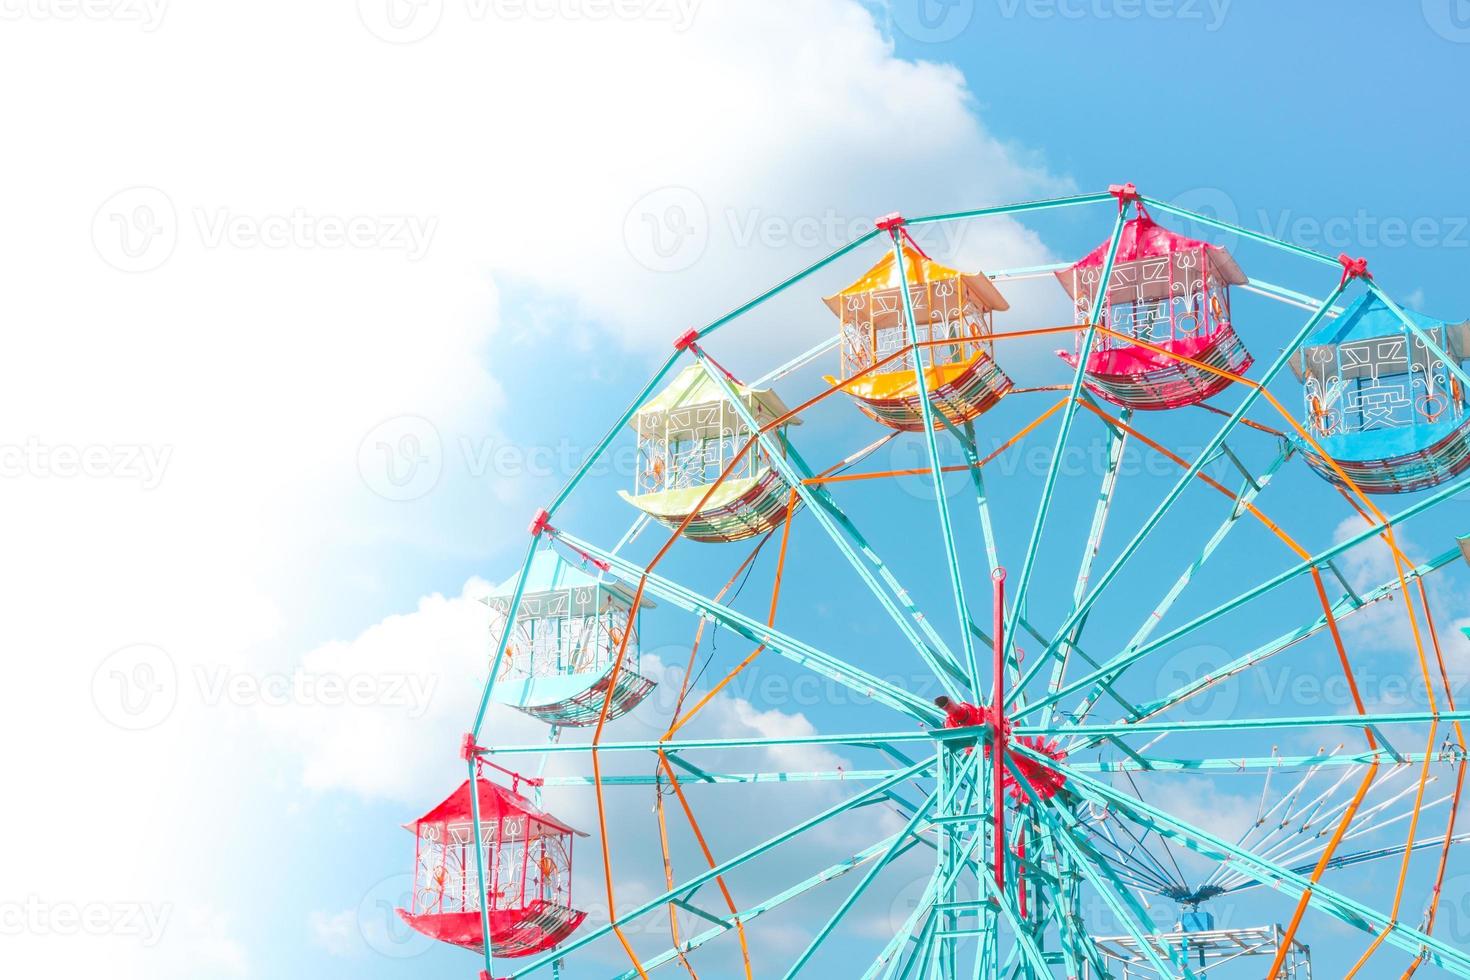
{"x":564,"y":639}
{"x":1383,"y":404}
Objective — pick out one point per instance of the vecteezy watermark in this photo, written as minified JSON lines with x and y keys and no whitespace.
{"x":1302,"y":689}
{"x":1450,"y":19}
{"x":401,"y":458}
{"x":407,"y":233}
{"x":382,"y":928}
{"x":35,"y":916}
{"x":1361,"y":229}
{"x":671,"y":228}
{"x":1453,"y":921}
{"x":136,"y":687}
{"x":219,"y":685}
{"x":1210,"y":14}
{"x":932,"y":21}
{"x":407,"y":21}
{"x":139,"y":687}
{"x":147,"y":14}
{"x":1182,"y":674}
{"x":125,"y":461}
{"x":138,"y":229}
{"x":667,"y":230}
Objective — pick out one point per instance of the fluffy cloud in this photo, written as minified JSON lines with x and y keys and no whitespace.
{"x":260,"y":236}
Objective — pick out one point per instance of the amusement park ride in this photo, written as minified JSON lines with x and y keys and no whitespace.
{"x":1055,"y":846}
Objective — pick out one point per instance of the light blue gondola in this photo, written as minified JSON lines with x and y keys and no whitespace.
{"x":1383,"y":404}
{"x":564,"y":639}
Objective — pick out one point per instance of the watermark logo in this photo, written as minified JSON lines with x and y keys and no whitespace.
{"x":1453,"y":920}
{"x":1210,"y":14}
{"x":667,"y":230}
{"x":136,"y":229}
{"x":34,"y":916}
{"x":402,"y":458}
{"x":932,"y":21}
{"x":147,"y":14}
{"x":400,"y":21}
{"x":137,"y":687}
{"x":380,"y":925}
{"x":36,"y":460}
{"x":408,"y":21}
{"x":1211,"y":202}
{"x":407,"y":233}
{"x":220,"y":685}
{"x":1184,"y":668}
{"x":1450,"y":19}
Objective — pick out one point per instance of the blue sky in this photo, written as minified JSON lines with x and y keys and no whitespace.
{"x":347,"y":434}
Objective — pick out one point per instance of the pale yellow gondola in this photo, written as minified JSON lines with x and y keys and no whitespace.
{"x":687,"y":435}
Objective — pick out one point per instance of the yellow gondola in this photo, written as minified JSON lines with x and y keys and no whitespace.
{"x":962,"y":377}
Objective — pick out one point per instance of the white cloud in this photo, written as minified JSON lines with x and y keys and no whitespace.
{"x":258,"y":357}
{"x":337,"y":933}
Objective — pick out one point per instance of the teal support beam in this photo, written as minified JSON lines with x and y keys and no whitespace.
{"x":944,"y":656}
{"x":1244,"y":498}
{"x":756,"y":631}
{"x":480,"y":880}
{"x":1187,"y":478}
{"x":862,"y":886}
{"x":726,"y":778}
{"x":726,"y":923}
{"x":1053,"y":470}
{"x":592,"y":935}
{"x":787,"y":283}
{"x":1234,"y":229}
{"x":612,"y":433}
{"x":772,"y":446}
{"x":1117,"y":441}
{"x":936,"y":472}
{"x":1003,"y":209}
{"x":1339,"y":906}
{"x":504,"y":640}
{"x":1451,"y":364}
{"x":1246,"y":724}
{"x":1343,"y":608}
{"x":873,"y":740}
{"x":1123,"y":660}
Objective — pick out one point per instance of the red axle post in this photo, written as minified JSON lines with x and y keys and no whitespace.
{"x":998,"y":723}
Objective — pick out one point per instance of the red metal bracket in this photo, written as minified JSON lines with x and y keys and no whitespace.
{"x":467,"y":747}
{"x":686,"y":339}
{"x":541,"y":522}
{"x":889,"y":221}
{"x":1353,"y":268}
{"x":1125,"y":193}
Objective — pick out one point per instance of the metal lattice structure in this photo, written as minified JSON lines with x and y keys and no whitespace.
{"x":1052,"y":793}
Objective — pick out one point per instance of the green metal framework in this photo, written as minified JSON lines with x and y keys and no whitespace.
{"x":1024,"y":880}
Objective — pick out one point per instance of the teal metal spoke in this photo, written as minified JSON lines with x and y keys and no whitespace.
{"x":1284,"y":880}
{"x":1053,"y":470}
{"x":1187,"y":478}
{"x":1343,"y":608}
{"x":1252,"y":488}
{"x":772,"y":446}
{"x":756,"y":631}
{"x":936,"y":471}
{"x":720,"y":869}
{"x":728,"y":922}
{"x":1128,"y":657}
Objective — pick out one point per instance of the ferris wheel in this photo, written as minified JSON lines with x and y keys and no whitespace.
{"x":1080,"y":719}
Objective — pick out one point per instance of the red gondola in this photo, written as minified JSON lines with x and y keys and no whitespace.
{"x":527,"y":856}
